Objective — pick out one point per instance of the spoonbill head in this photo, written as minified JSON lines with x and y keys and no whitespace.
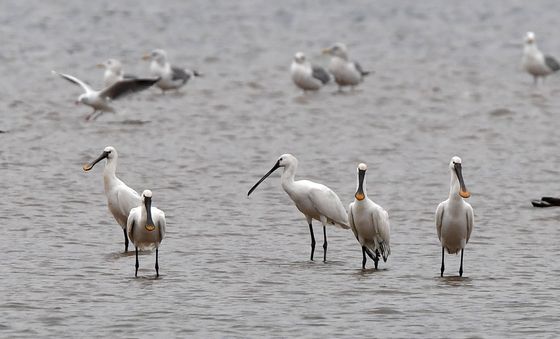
{"x":454,"y":216}
{"x":369,"y":223}
{"x":455,"y":166}
{"x":285,"y":160}
{"x":120,"y":198}
{"x":314,"y":200}
{"x":109,"y":153}
{"x":146,"y":227}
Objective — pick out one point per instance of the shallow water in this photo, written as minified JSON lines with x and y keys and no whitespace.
{"x":447,"y":81}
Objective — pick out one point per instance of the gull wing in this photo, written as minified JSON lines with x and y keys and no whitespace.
{"x":360,"y":69}
{"x":180,"y":74}
{"x":75,"y":81}
{"x":551,"y":63}
{"x":126,"y":86}
{"x":321,"y":74}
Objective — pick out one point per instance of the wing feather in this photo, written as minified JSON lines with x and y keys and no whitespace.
{"x":75,"y":81}
{"x":327,"y":203}
{"x":351,"y":221}
{"x":470,"y":221}
{"x":127,"y":86}
{"x":439,"y":219}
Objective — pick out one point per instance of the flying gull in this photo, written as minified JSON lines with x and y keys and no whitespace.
{"x":345,"y":72}
{"x":100,"y":100}
{"x":170,"y":77}
{"x":306,"y":76}
{"x":535,"y":62}
{"x":113,"y":72}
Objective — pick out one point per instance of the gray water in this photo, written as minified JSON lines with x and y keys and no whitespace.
{"x":447,"y":82}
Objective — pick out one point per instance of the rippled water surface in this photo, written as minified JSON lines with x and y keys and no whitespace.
{"x":447,"y":81}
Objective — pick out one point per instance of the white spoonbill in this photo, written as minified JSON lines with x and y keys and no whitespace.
{"x":100,"y":100}
{"x":345,"y":72}
{"x":120,"y":198}
{"x":535,"y":62}
{"x":306,"y":76}
{"x":170,"y":77}
{"x":454,"y":216}
{"x":314,"y":200}
{"x":113,"y":72}
{"x":369,"y":222}
{"x":146,"y":227}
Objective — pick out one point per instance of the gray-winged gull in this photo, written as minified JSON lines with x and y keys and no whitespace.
{"x":345,"y":72}
{"x":100,"y":100}
{"x":535,"y":62}
{"x":306,"y":76}
{"x":170,"y":77}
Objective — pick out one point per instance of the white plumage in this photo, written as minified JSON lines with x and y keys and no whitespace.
{"x":146,"y":227}
{"x":369,"y":222}
{"x":314,"y":200}
{"x":306,"y":76}
{"x":345,"y":72}
{"x":120,"y":198}
{"x":454,"y":216}
{"x":100,"y":100}
{"x":169,"y":77}
{"x":534,"y":61}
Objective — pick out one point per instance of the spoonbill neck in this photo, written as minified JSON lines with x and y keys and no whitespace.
{"x":109,"y":172}
{"x":455,"y":187}
{"x":288,"y":176}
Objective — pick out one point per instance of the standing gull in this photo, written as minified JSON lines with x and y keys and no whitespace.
{"x":454,"y":216}
{"x":306,"y":76}
{"x":120,"y":198}
{"x":170,"y":77}
{"x":113,"y":72}
{"x":345,"y":72}
{"x":100,"y":100}
{"x":314,"y":200}
{"x":369,"y":222}
{"x":535,"y":62}
{"x":146,"y":227}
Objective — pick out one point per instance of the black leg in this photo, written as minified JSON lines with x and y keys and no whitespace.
{"x":442,"y":263}
{"x":376,"y":259}
{"x":157,"y":266}
{"x":363,"y":258}
{"x":461,"y":268}
{"x":325,"y":244}
{"x":312,"y":241}
{"x":125,"y":241}
{"x":137,"y":264}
